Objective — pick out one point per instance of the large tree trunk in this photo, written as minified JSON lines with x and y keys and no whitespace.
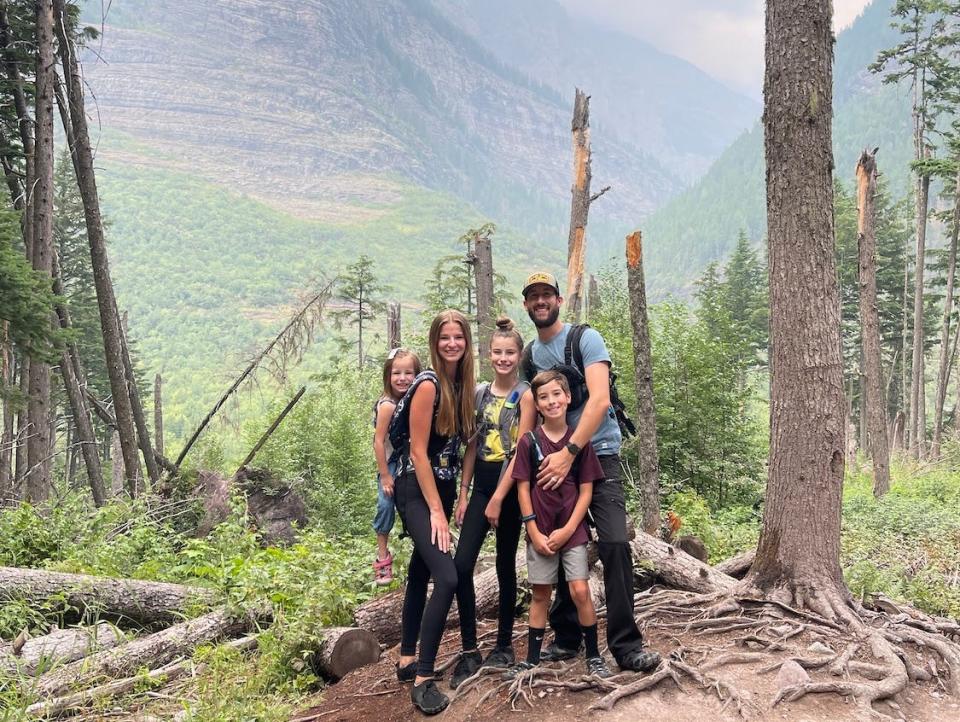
{"x":40,"y":442}
{"x":875,"y":405}
{"x":483,"y":273}
{"x":24,"y":126}
{"x":677,"y":568}
{"x":58,"y":647}
{"x":943,"y":370}
{"x":82,"y":156}
{"x":643,"y":384}
{"x":906,"y":432}
{"x":158,"y":414}
{"x":798,"y":556}
{"x":918,"y":439}
{"x":141,"y":602}
{"x":580,"y":204}
{"x":150,"y":651}
{"x":6,"y":436}
{"x":136,"y":407}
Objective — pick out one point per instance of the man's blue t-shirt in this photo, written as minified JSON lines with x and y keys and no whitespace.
{"x":545,"y":356}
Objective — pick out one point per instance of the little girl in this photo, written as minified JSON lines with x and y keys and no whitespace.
{"x":399,"y":370}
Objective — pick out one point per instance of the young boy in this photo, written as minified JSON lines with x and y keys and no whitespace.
{"x":556,"y":531}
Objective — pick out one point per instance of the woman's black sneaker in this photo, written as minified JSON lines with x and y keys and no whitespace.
{"x":639,"y":661}
{"x":500,"y":658}
{"x":406,"y":673}
{"x":597,"y":667}
{"x":428,"y":699}
{"x":467,"y":666}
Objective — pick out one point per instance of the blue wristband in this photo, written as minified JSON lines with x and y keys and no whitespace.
{"x":528,"y":517}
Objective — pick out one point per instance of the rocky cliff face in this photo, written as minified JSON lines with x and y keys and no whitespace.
{"x":309,"y":105}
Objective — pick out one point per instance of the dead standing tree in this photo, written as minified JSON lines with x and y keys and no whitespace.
{"x":393,"y":325}
{"x":875,"y":403}
{"x":946,"y":350}
{"x":579,"y":205}
{"x":643,"y":383}
{"x":483,"y":273}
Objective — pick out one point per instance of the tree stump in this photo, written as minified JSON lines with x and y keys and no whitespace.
{"x":344,"y":649}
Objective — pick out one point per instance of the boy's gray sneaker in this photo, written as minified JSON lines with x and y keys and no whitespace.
{"x":553,"y":652}
{"x":597,"y":667}
{"x":500,"y":658}
{"x":517,"y":669}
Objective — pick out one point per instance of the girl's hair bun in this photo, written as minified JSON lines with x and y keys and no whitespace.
{"x":505,"y":324}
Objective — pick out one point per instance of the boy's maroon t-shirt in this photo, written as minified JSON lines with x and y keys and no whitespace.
{"x":555,"y":507}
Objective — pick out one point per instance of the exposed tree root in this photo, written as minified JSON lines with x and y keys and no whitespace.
{"x":611,"y":698}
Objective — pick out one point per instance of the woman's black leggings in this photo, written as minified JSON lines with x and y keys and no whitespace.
{"x":426,"y":561}
{"x":475,"y":527}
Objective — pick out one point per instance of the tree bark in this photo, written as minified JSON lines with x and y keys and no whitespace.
{"x":141,"y":602}
{"x":917,"y":381}
{"x":798,"y":556}
{"x":24,"y":126}
{"x":875,"y":402}
{"x":393,"y":325}
{"x":483,"y":270}
{"x":151,"y":651}
{"x":82,"y":156}
{"x":116,"y":460}
{"x":343,"y":649}
{"x":643,"y":384}
{"x":158,"y":414}
{"x":273,"y":427}
{"x":6,"y":436}
{"x":40,"y":442}
{"x":136,"y":407}
{"x":906,"y":431}
{"x":58,"y":647}
{"x":580,"y":204}
{"x":943,"y":370}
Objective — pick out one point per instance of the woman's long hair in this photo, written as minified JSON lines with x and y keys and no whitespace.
{"x":456,"y":413}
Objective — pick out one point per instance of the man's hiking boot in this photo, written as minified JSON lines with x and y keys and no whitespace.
{"x":406,"y":673}
{"x":597,"y":667}
{"x":383,"y":571}
{"x":555,"y":653}
{"x":428,"y":699}
{"x":517,"y":669}
{"x":639,"y":661}
{"x":467,"y":666}
{"x":500,"y":658}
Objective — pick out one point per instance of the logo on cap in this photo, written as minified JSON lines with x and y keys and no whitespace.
{"x":548,"y":279}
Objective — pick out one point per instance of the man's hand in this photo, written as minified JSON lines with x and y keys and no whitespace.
{"x":554,"y":469}
{"x":539,"y":542}
{"x":559,"y":537}
{"x":492,"y":512}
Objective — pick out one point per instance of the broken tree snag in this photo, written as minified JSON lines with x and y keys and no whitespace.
{"x":677,"y":568}
{"x":643,"y":384}
{"x":158,"y":414}
{"x":876,"y":421}
{"x":579,"y":203}
{"x":343,"y":649}
{"x":141,"y":602}
{"x":393,"y":325}
{"x":273,"y":427}
{"x":483,"y":274}
{"x":58,"y":647}
{"x":153,"y":650}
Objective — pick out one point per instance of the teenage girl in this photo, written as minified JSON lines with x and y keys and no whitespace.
{"x":399,"y":370}
{"x":441,"y":416}
{"x":504,"y":412}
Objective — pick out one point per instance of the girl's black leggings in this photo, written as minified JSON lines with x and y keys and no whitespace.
{"x":475,"y":527}
{"x":426,"y":562}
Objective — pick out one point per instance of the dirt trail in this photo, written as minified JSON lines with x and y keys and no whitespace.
{"x":373,"y":694}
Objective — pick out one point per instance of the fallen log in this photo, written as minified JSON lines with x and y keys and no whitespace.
{"x":150,"y":651}
{"x":168,"y":673}
{"x":344,"y":649}
{"x":678,"y":569}
{"x":738,"y":566}
{"x":138,"y":601}
{"x":58,"y":647}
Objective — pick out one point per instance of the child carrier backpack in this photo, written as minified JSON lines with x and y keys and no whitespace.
{"x":509,"y":413}
{"x":572,"y":368}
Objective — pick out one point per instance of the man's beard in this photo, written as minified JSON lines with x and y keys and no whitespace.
{"x":548,"y":321}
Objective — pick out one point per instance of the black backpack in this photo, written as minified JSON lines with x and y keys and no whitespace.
{"x":572,"y":369}
{"x":399,"y":430}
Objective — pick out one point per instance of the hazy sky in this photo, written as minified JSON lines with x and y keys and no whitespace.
{"x":723,"y":37}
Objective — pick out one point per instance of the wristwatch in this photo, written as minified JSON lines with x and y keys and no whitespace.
{"x":572,"y":448}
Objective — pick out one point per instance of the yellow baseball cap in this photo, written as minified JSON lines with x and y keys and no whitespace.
{"x":547,"y":279}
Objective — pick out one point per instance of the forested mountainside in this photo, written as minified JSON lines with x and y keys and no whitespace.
{"x":701,"y":224}
{"x":665,"y":106}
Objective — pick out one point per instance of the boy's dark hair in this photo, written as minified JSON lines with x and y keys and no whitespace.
{"x":545,"y":377}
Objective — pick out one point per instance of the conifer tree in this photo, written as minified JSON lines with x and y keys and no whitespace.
{"x":360,"y":293}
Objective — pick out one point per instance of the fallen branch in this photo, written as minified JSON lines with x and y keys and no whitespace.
{"x":58,"y":647}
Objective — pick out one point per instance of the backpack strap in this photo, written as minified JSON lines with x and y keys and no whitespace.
{"x":527,"y":370}
{"x":536,"y":454}
{"x":480,"y":399}
{"x":572,"y":353}
{"x":509,"y":413}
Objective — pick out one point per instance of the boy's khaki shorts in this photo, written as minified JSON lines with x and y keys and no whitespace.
{"x":545,"y":570}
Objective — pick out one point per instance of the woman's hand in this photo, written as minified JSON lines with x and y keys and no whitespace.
{"x":439,"y":530}
{"x":460,"y":511}
{"x":492,"y":512}
{"x":386,"y":483}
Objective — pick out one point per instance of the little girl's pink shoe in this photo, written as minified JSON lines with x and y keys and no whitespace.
{"x":383,"y":571}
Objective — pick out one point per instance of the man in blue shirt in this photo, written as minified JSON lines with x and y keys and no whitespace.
{"x":594,"y":423}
